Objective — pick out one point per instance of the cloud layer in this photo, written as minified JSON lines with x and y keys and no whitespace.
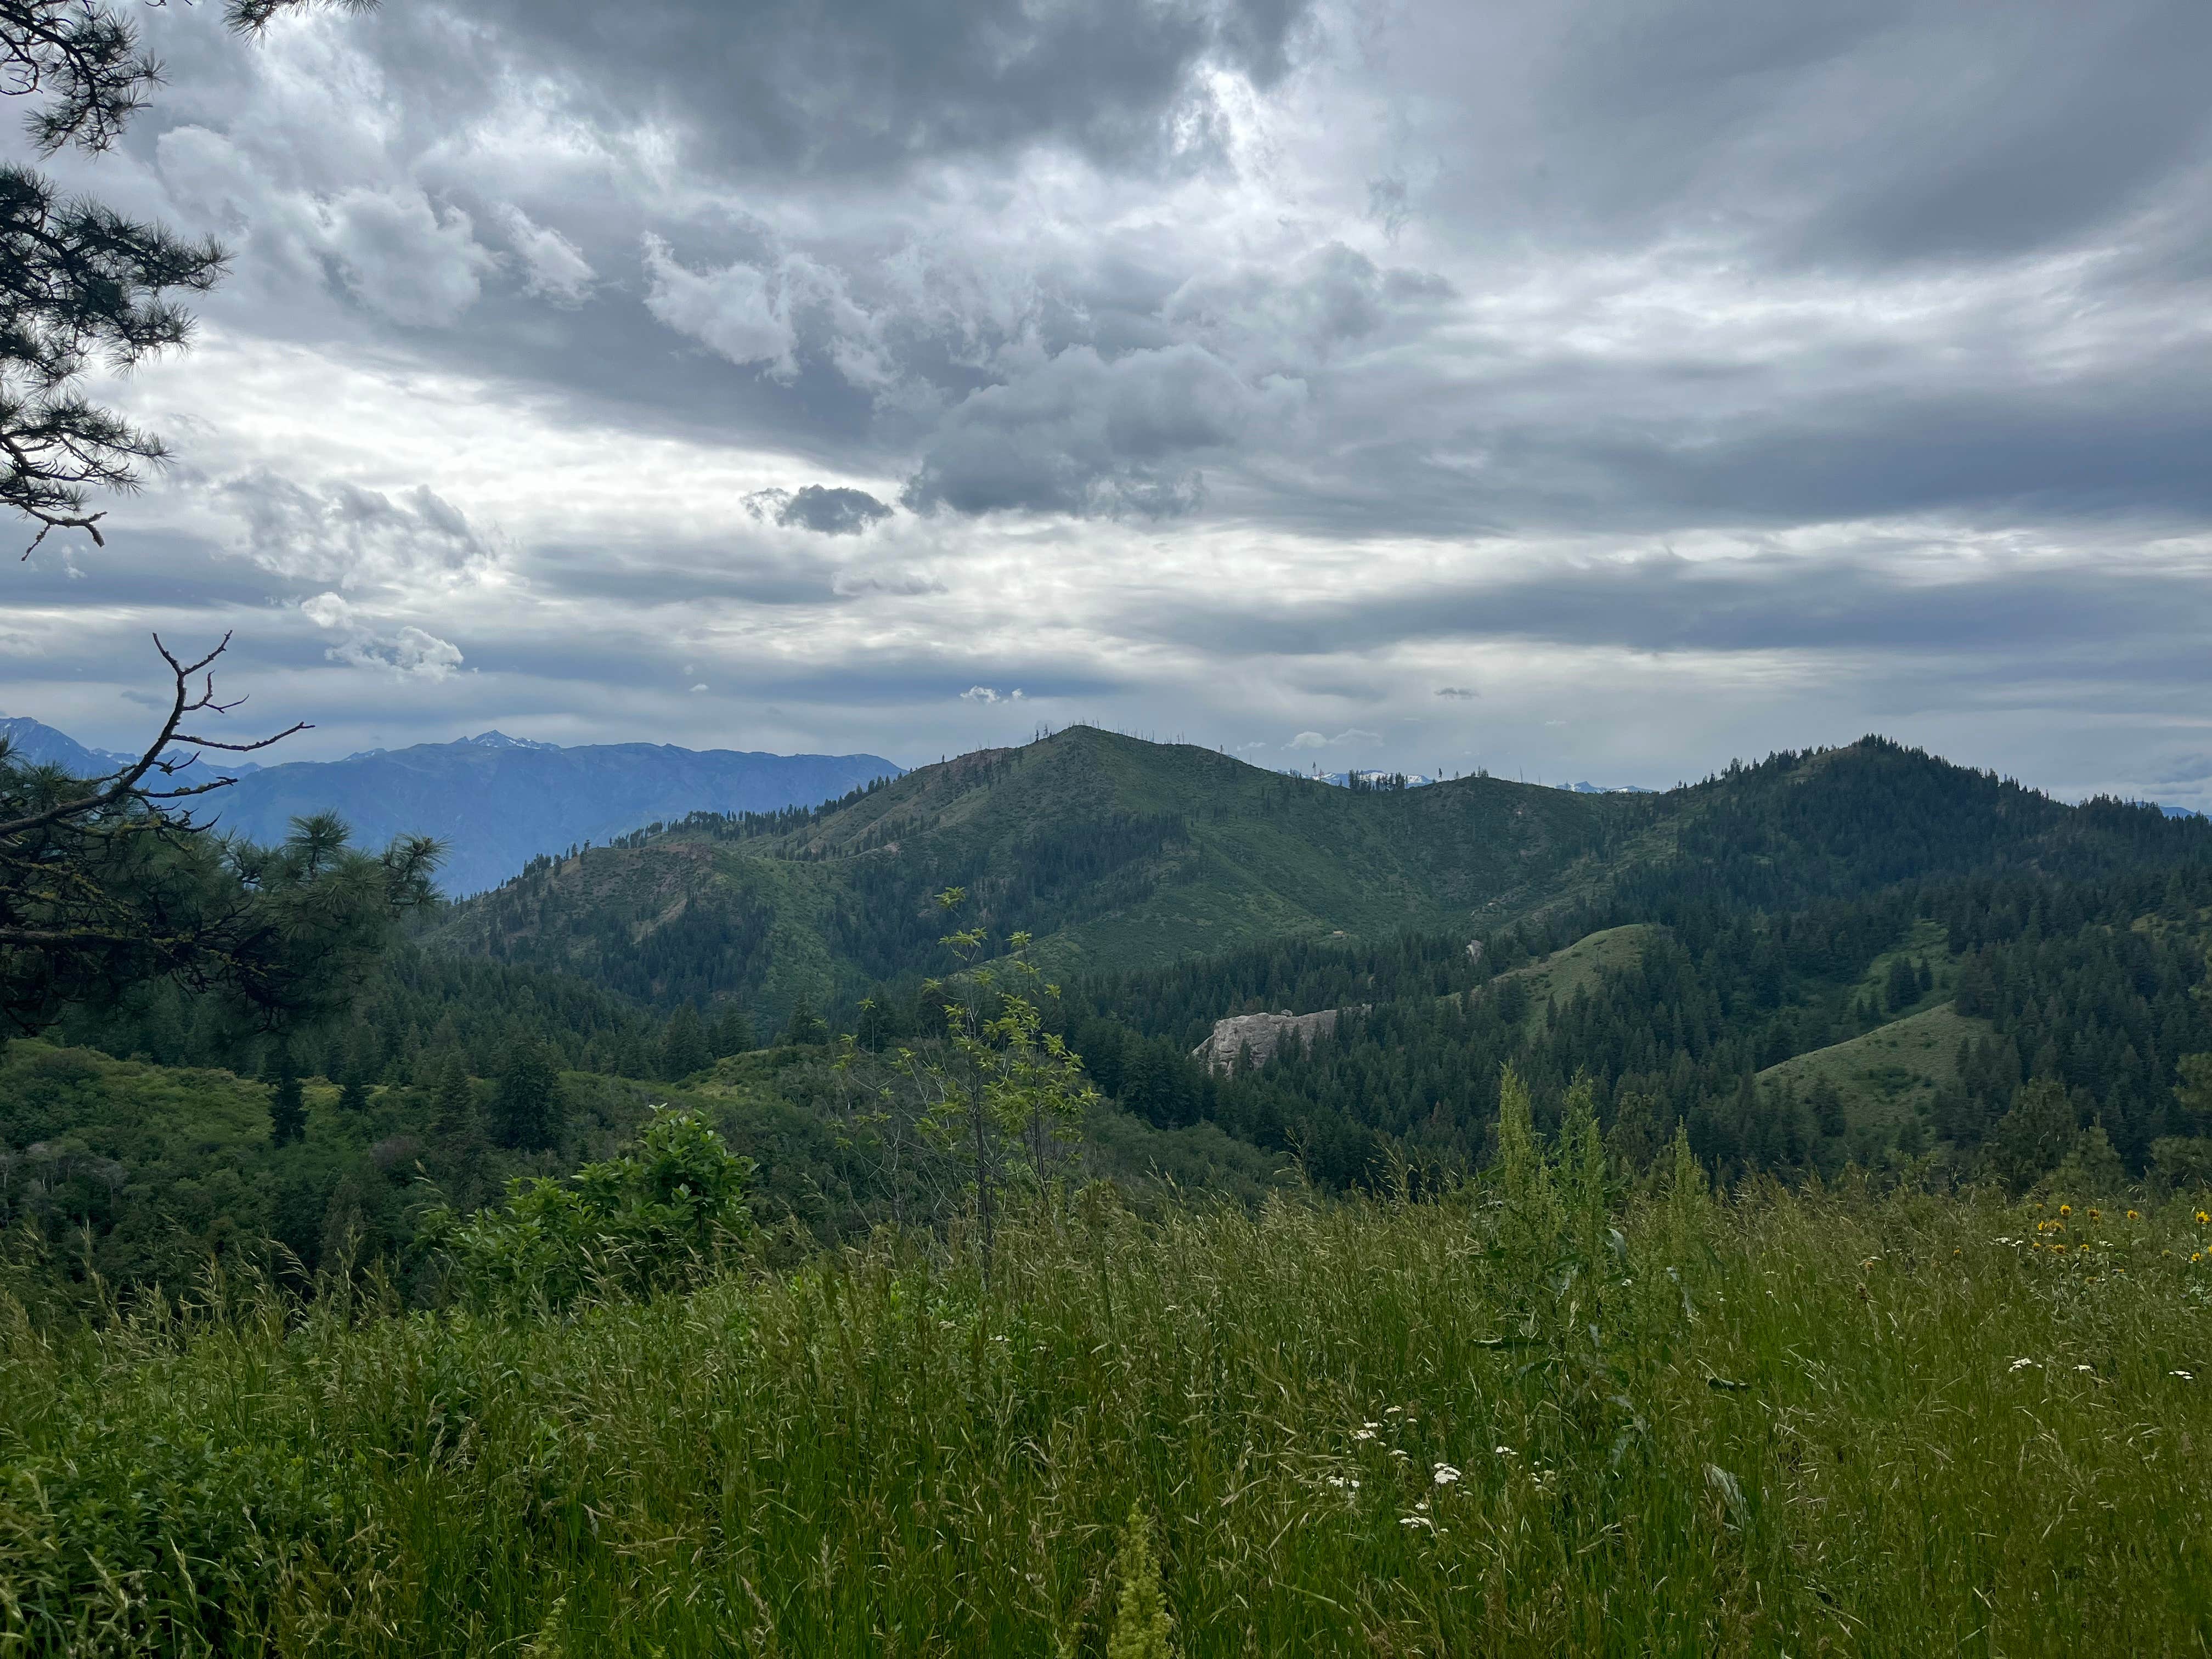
{"x":1553,"y":387}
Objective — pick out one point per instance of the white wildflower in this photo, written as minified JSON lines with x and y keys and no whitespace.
{"x":1445,"y":1474}
{"x":1362,"y":1434}
{"x":2022,"y":1364}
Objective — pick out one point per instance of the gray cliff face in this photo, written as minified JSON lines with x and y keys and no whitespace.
{"x":1267,"y":1034}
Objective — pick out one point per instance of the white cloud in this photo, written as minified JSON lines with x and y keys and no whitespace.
{"x":984,"y":694}
{"x":1315,"y":740}
{"x":740,"y":312}
{"x":344,"y":533}
{"x":418,"y":263}
{"x":409,"y":653}
{"x":554,"y":268}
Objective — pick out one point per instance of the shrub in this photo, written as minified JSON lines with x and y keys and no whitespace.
{"x":657,"y":1216}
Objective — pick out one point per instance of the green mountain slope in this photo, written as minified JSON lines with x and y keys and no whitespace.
{"x":1117,"y":854}
{"x":1891,"y":1073}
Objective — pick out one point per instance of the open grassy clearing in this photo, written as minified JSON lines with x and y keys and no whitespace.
{"x":1889,"y":1074}
{"x":1580,"y":966}
{"x":1829,"y":1423}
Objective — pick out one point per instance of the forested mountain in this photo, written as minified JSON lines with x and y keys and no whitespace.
{"x":1119,"y":854}
{"x":497,"y":802}
{"x":1860,"y":955}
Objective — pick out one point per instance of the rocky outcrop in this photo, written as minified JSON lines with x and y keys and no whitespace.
{"x":1265,"y":1034}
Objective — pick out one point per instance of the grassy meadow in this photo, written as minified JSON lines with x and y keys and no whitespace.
{"x":1502,"y":1421}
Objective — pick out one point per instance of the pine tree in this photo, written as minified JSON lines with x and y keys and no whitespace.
{"x":1904,"y":988}
{"x":287,"y":1103}
{"x":527,"y":1109}
{"x":805,"y":1028}
{"x":2038,"y":1130}
{"x":683,"y":1045}
{"x":733,"y":1033}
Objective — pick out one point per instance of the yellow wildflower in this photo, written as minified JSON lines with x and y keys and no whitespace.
{"x":2134,"y":1216}
{"x":2066,"y":1209}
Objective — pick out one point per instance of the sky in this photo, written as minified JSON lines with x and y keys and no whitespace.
{"x":1571,"y":389}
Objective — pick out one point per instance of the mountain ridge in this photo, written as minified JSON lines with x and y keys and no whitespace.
{"x":1115,"y":854}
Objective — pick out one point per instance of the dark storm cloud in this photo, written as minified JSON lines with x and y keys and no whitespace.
{"x":823,"y":89}
{"x":826,"y":510}
{"x":1162,"y":318}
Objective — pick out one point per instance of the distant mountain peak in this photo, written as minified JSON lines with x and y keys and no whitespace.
{"x":497,"y":740}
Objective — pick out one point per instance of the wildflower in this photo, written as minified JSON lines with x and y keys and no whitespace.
{"x":1417,"y":1520}
{"x":1362,"y":1434}
{"x":2066,"y":1209}
{"x":2196,"y":1256}
{"x":1423,"y":1506}
{"x":2085,"y":1368}
{"x":2022,"y":1364}
{"x":2134,"y":1215}
{"x":1398,"y":1452}
{"x":1345,"y":1482}
{"x":2096,"y":1214}
{"x":1371,"y":1426}
{"x":1503,"y":1452}
{"x":2203,"y":1220}
{"x":2186,"y":1377}
{"x":1394,"y":1411}
{"x":1445,"y":1474}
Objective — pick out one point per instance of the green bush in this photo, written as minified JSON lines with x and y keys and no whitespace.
{"x":655,"y":1217}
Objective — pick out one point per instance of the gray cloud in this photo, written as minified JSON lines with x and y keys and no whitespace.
{"x":866,"y":87}
{"x":826,"y":509}
{"x":1860,"y":348}
{"x":1079,"y":433}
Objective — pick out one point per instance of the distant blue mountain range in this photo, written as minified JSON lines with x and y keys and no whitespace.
{"x":495,"y":801}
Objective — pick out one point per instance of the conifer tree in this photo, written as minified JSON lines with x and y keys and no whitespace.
{"x":287,"y":1105}
{"x":526,"y":1113}
{"x":683,"y":1045}
{"x":805,"y":1028}
{"x":733,"y":1033}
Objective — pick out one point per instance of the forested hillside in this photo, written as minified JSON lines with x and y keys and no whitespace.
{"x":1858,"y":955}
{"x":1122,"y":855}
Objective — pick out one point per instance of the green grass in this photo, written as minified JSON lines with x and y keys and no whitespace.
{"x":1889,"y":1074}
{"x":1809,"y":1424}
{"x":1580,"y":965}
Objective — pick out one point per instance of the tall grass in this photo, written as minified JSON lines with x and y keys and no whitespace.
{"x":1816,"y":1422}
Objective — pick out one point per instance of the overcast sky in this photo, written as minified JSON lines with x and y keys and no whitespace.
{"x":1585,"y":390}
